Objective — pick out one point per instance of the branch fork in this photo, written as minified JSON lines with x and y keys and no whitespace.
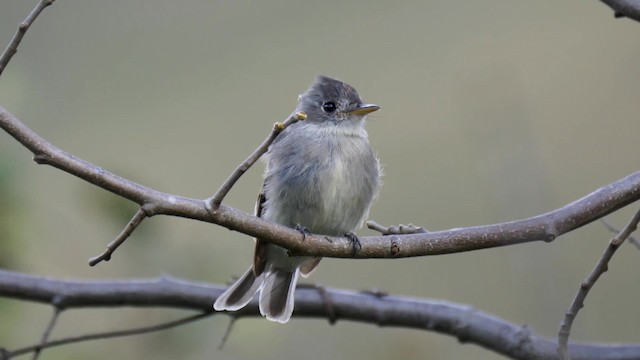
{"x":404,"y":241}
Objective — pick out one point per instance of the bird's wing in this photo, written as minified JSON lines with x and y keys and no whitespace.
{"x":260,"y":252}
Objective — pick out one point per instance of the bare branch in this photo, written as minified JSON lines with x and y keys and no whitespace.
{"x":461,"y":321}
{"x":45,"y":336}
{"x":140,"y":215}
{"x":227,"y":333}
{"x":625,"y":8}
{"x":107,"y":335}
{"x":12,"y":48}
{"x":215,"y":201}
{"x":632,"y":239}
{"x":600,"y":268}
{"x":545,"y":227}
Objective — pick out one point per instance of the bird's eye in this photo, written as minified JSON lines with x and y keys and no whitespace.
{"x":329,"y":107}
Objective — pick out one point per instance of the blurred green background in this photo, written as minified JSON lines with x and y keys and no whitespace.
{"x":491,"y":111}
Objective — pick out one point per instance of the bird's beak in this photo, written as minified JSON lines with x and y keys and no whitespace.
{"x":363,"y":109}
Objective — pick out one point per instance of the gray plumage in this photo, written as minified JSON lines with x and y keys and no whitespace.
{"x":322,"y":175}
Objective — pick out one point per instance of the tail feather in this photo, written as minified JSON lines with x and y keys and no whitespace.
{"x":239,"y":293}
{"x":277,"y":294}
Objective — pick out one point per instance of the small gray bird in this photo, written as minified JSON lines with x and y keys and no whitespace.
{"x":322,"y":177}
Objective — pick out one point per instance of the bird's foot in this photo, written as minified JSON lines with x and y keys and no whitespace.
{"x":304,"y":231}
{"x":355,"y":242}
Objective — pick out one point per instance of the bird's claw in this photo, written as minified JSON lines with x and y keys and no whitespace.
{"x":354,"y":241}
{"x":304,"y":231}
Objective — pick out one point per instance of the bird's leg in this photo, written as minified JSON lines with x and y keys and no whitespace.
{"x":303,"y":230}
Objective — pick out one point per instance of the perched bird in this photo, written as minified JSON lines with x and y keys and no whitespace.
{"x":321,"y":177}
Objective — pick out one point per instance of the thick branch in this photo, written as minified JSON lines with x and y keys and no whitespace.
{"x":463,"y":322}
{"x":545,"y":227}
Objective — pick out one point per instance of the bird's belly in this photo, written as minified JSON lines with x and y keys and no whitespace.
{"x":328,"y":203}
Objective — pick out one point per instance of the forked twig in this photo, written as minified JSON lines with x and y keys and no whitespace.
{"x":395,"y":230}
{"x":211,"y":203}
{"x":600,"y":268}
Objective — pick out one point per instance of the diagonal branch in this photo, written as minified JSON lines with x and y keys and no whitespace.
{"x":37,"y":349}
{"x":601,"y":267}
{"x":215,"y":201}
{"x":545,"y":227}
{"x":456,"y":320}
{"x":12,"y":48}
{"x":140,"y":215}
{"x":106,"y":335}
{"x":611,"y":228}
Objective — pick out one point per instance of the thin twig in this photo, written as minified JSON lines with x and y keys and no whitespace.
{"x":140,"y":215}
{"x":632,"y":239}
{"x":213,"y":203}
{"x":110,"y":334}
{"x":227,"y":333}
{"x":47,"y":332}
{"x":600,"y":268}
{"x":12,"y":48}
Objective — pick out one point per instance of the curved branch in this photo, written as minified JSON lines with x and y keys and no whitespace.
{"x":545,"y":227}
{"x":461,"y":321}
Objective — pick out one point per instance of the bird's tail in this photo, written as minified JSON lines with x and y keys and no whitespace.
{"x":240,"y":292}
{"x":276,"y":295}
